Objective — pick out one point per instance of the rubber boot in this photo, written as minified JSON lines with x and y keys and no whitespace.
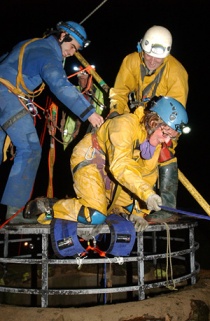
{"x":38,"y":206}
{"x":18,"y":219}
{"x":168,"y":178}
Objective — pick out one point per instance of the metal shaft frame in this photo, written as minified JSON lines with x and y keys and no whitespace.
{"x":187,"y":255}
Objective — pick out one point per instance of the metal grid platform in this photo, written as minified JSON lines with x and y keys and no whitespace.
{"x":138,"y":255}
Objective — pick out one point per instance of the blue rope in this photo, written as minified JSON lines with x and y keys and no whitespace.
{"x":175,"y":210}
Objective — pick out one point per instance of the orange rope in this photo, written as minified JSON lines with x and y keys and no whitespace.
{"x":89,"y":84}
{"x":14,"y":215}
{"x":88,"y":69}
{"x":94,"y":249}
{"x":52,"y":153}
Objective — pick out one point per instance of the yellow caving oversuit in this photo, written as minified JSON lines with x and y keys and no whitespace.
{"x":104,"y":158}
{"x":170,"y":79}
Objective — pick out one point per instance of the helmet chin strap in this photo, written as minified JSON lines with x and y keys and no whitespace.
{"x":66,"y":38}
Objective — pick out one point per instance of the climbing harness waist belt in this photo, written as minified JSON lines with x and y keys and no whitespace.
{"x":80,"y":165}
{"x":96,"y":157}
{"x":14,"y":118}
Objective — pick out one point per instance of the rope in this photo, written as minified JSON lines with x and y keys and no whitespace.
{"x":175,"y":210}
{"x":191,"y":189}
{"x":79,"y":261}
{"x":13,"y":216}
{"x":96,"y":76}
{"x":169,"y":260}
{"x":119,"y":260}
{"x":52,"y":151}
{"x":93,"y":12}
{"x":20,"y":80}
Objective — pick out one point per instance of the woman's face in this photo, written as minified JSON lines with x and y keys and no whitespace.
{"x":163,"y":134}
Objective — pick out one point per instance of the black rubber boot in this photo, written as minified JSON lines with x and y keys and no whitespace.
{"x":168,"y":178}
{"x":18,"y":219}
{"x":38,"y":206}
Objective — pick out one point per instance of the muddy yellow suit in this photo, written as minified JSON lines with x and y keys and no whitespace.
{"x":112,"y":158}
{"x":170,"y":79}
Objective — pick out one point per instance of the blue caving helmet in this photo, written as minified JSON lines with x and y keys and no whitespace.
{"x":75,"y":30}
{"x":171,"y":111}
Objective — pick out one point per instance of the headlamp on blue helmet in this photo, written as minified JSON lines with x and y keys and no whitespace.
{"x":171,"y":111}
{"x":75,"y":30}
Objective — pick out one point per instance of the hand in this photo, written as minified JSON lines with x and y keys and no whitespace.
{"x":96,"y":120}
{"x":153,"y":202}
{"x":140,"y":223}
{"x":90,"y":233}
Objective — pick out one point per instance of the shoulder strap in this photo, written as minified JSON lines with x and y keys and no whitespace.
{"x":154,"y":83}
{"x":20,"y":81}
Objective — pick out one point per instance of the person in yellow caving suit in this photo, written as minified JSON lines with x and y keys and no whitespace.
{"x":151,"y":71}
{"x":115,"y":168}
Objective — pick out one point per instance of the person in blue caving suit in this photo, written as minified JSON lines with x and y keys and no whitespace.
{"x":23,"y":74}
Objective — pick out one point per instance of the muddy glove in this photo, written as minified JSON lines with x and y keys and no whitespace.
{"x":90,"y":233}
{"x":153,"y":202}
{"x":140,"y":223}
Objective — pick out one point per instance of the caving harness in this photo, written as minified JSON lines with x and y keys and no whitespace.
{"x":64,"y":235}
{"x":152,"y":86}
{"x":25,"y":98}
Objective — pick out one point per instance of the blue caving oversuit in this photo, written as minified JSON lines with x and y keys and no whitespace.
{"x":42,"y":62}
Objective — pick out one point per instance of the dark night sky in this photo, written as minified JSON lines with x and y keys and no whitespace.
{"x":114,"y":30}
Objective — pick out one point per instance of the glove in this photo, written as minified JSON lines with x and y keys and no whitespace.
{"x":140,"y":223}
{"x":153,"y":202}
{"x":90,"y":233}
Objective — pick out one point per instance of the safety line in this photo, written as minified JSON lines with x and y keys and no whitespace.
{"x":175,"y":210}
{"x":93,"y":11}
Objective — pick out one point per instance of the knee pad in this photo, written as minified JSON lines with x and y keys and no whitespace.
{"x":129,"y":208}
{"x":96,"y":217}
{"x":123,"y":235}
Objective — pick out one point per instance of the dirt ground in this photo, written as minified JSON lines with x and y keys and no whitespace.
{"x":189,"y":303}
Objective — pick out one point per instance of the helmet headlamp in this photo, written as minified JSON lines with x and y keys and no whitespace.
{"x":183,"y":128}
{"x":158,"y":49}
{"x":76,"y":31}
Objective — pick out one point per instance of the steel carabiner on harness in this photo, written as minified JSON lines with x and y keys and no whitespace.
{"x":30,"y":105}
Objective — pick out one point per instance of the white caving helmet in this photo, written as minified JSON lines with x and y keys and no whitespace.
{"x":157,"y":42}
